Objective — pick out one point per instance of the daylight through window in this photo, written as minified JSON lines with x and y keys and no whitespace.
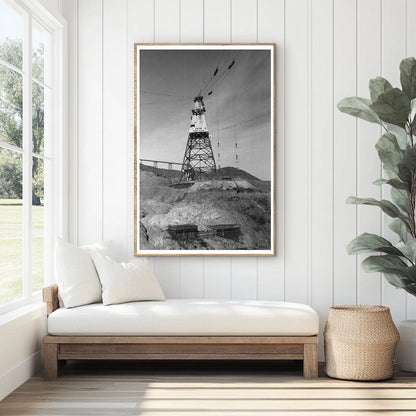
{"x":25,"y":152}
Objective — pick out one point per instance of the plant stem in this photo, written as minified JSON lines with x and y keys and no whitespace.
{"x":412,"y":196}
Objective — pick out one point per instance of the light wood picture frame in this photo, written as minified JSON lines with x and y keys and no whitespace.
{"x":204,"y":150}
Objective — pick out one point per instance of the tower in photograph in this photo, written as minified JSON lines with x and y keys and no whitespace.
{"x":198,"y":160}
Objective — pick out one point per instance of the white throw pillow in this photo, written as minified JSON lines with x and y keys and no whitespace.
{"x":126,"y":282}
{"x":75,"y":273}
{"x":104,"y":247}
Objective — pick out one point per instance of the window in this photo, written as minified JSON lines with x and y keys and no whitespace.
{"x":31,"y":137}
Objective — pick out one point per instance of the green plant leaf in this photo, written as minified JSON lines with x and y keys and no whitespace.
{"x":414,"y":126}
{"x":395,"y":183}
{"x":359,"y":107}
{"x":408,"y":249}
{"x":392,"y":107}
{"x":400,"y":198}
{"x":388,"y":207}
{"x":397,"y":280}
{"x":412,"y":116}
{"x":398,"y":184}
{"x":408,"y":77}
{"x":395,"y":270}
{"x":402,"y":139}
{"x":410,"y":272}
{"x":407,"y":274}
{"x":412,"y":113}
{"x":411,"y":289}
{"x":391,"y":174}
{"x":380,"y":263}
{"x":410,"y":158}
{"x":400,"y":228}
{"x":389,"y":151}
{"x":404,"y":173}
{"x":380,"y":182}
{"x":366,"y":243}
{"x":378,"y":86}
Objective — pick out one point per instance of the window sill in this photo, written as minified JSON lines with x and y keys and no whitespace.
{"x":31,"y":306}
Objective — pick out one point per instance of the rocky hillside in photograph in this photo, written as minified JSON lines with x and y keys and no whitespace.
{"x":231,"y":199}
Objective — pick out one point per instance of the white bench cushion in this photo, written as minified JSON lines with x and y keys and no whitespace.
{"x":187,"y":318}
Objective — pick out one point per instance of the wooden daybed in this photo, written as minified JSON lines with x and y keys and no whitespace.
{"x":59,"y":348}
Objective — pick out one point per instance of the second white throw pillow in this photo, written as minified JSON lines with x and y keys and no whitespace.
{"x":126,"y":282}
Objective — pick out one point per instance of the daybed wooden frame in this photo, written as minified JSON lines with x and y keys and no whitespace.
{"x":58,"y":349}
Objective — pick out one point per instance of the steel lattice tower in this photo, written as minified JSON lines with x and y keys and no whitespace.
{"x":198,"y":160}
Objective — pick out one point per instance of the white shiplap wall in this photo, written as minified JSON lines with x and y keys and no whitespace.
{"x":326,"y":50}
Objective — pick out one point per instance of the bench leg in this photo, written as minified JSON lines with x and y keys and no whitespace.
{"x":50,"y":360}
{"x":310,"y":360}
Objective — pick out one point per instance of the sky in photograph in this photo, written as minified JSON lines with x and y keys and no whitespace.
{"x":237,"y":110}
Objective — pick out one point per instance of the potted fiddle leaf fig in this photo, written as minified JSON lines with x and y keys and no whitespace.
{"x":394,"y":109}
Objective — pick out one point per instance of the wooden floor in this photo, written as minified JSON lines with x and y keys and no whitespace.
{"x":226,"y":389}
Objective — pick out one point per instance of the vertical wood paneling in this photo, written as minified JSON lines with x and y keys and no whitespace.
{"x":114,"y":124}
{"x":321,"y":165}
{"x":244,"y":29}
{"x":167,"y":29}
{"x":140,"y":24}
{"x":326,"y":50}
{"x":168,"y":274}
{"x":243,"y":21}
{"x":217,"y":278}
{"x":369,"y":167}
{"x":140,"y":17}
{"x":70,"y":11}
{"x":393,"y":51}
{"x":345,"y":152}
{"x":411,"y":51}
{"x":192,"y":30}
{"x":167,"y":17}
{"x":217,"y":27}
{"x":271,"y":28}
{"x":192,"y":21}
{"x":244,"y":278}
{"x":192,"y":278}
{"x":411,"y":28}
{"x":296,"y":152}
{"x":217,"y":21}
{"x":90,"y":183}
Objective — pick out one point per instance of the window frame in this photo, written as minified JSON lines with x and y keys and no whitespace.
{"x":57,"y":225}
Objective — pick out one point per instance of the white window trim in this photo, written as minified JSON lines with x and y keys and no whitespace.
{"x":59,"y":175}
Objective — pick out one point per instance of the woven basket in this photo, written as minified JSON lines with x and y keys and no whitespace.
{"x":360,"y":342}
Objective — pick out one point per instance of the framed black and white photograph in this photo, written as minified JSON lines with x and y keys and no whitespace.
{"x":204,"y":118}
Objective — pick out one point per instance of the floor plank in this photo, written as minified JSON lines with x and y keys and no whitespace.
{"x":226,"y":389}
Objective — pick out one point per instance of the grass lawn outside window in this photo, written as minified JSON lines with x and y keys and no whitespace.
{"x":32,"y":132}
{"x":11,"y":249}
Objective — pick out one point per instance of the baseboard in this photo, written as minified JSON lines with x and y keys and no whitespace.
{"x":11,"y":379}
